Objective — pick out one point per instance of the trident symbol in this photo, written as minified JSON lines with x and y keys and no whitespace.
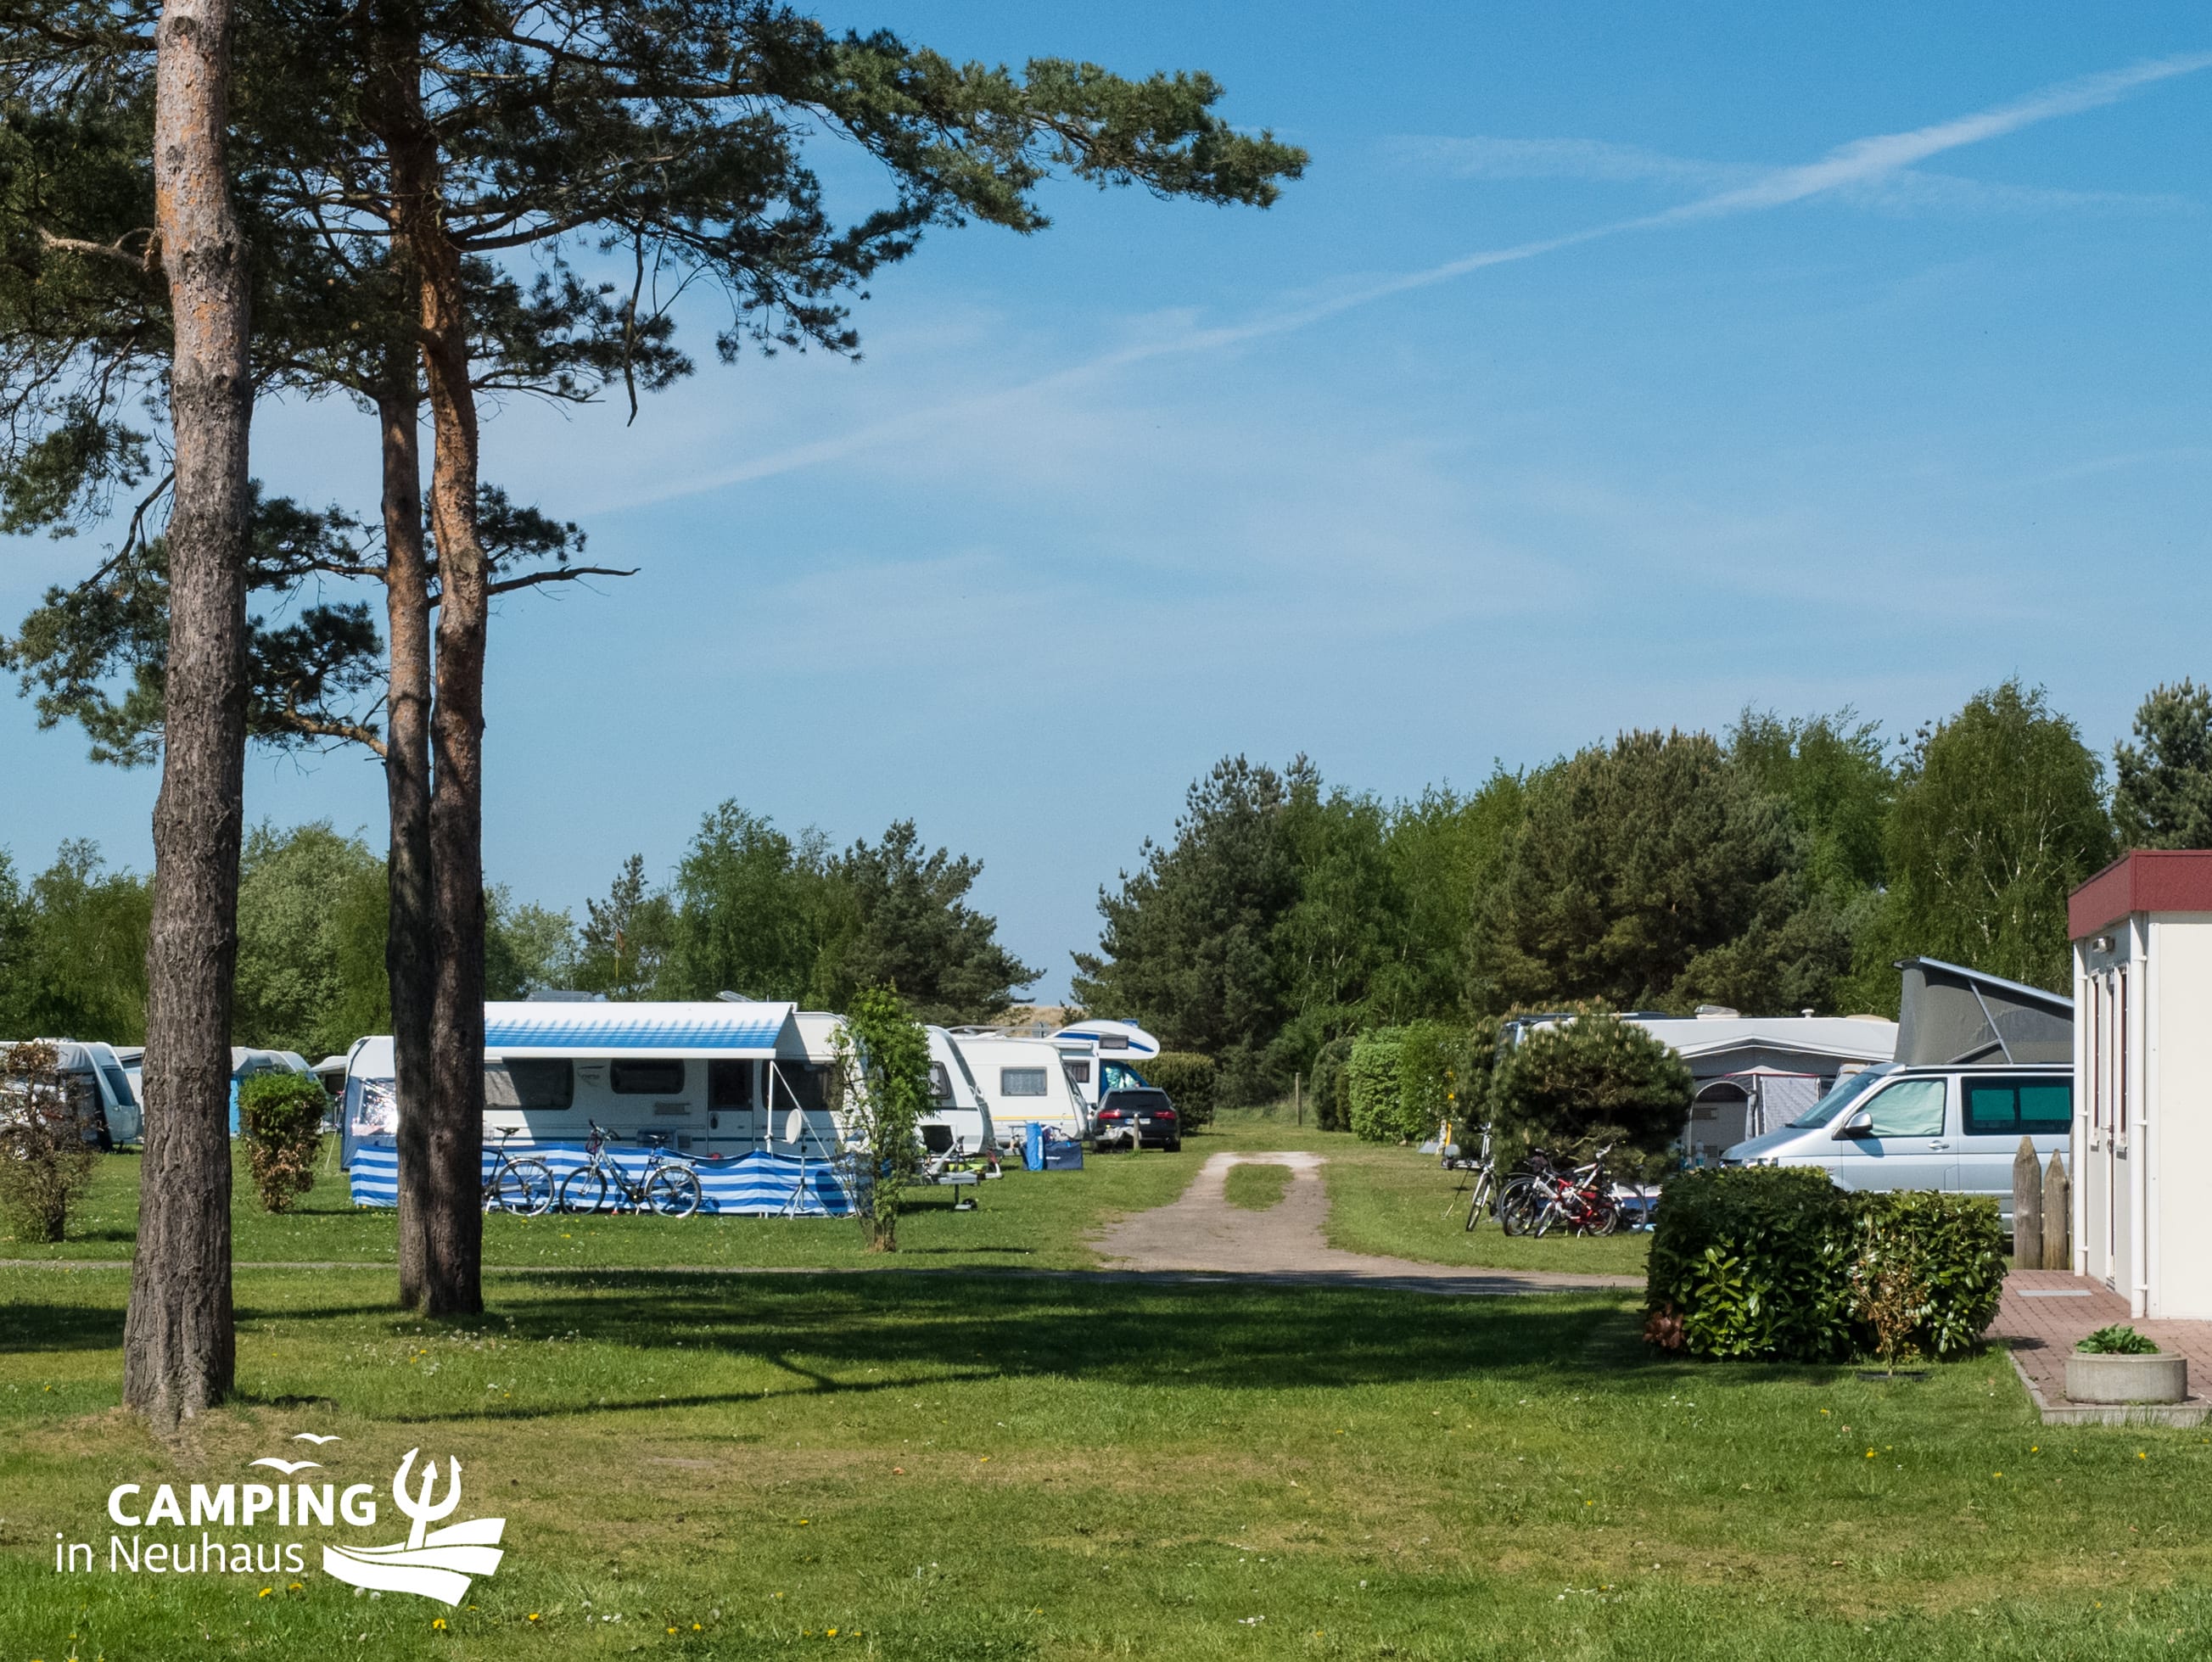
{"x":419,"y":1508}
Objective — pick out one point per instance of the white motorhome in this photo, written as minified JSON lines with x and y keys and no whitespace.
{"x":96,"y":1079}
{"x":1100,"y":1056}
{"x":1023,"y":1081}
{"x":713,"y":1078}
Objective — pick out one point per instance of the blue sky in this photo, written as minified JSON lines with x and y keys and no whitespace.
{"x":1612,"y":367}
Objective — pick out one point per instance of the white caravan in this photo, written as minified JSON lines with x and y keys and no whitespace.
{"x":100,"y":1088}
{"x":1101,"y":1056}
{"x":959,"y":1118}
{"x":1023,"y":1081}
{"x":711,"y":1078}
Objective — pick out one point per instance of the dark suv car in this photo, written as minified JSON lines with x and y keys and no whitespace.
{"x":1140,"y":1117}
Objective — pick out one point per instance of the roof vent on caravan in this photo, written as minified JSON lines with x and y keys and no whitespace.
{"x":563,"y":996}
{"x":1722,"y":1013}
{"x":1954,"y":1015}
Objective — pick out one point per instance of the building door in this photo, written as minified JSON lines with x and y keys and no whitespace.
{"x":2120,"y":1138}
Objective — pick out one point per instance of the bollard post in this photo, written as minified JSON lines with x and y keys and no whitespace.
{"x":2057,"y":1216}
{"x":2026,"y":1208}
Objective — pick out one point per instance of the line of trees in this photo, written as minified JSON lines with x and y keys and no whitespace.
{"x":1784,"y":865}
{"x":749,"y":910}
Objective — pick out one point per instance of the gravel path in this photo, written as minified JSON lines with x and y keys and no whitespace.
{"x":1201,"y":1232}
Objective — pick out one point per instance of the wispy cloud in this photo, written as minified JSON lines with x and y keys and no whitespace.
{"x":1857,"y":166}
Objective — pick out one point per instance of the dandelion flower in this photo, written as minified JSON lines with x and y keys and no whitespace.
{"x":832,"y":1633}
{"x":265,"y":1592}
{"x":533,"y":1616}
{"x":438,"y":1624}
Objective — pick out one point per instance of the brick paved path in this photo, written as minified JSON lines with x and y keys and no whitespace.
{"x":2045,"y":1311}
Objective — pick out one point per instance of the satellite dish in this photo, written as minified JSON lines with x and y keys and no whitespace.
{"x":794,"y":1127}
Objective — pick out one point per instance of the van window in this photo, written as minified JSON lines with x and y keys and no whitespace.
{"x":540,"y":1084}
{"x":730,"y":1085}
{"x":657,"y":1077}
{"x":1021,"y":1082}
{"x":1910,"y":1107}
{"x":2016,"y":1107}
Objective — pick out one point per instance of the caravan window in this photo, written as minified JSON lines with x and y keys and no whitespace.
{"x":801,"y":1085}
{"x":729,"y":1084}
{"x":940,"y":1085}
{"x":1021,"y":1082}
{"x":654,"y":1078}
{"x":1078,"y":1073}
{"x":540,"y":1084}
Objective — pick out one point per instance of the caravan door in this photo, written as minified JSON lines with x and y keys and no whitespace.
{"x":733,"y":1109}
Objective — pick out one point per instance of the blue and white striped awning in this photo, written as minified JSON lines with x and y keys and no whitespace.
{"x":760,"y":1185}
{"x":659,"y":1030}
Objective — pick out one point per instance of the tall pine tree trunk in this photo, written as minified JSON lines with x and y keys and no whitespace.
{"x":179,"y":1344}
{"x":440,"y":1190}
{"x":409,"y":950}
{"x":457,"y":1013}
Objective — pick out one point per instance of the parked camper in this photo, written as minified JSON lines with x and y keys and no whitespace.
{"x":960,"y":1119}
{"x":719,"y":1078}
{"x":245,"y":1063}
{"x":1101,"y":1056}
{"x":1023,"y":1082}
{"x":102,"y":1089}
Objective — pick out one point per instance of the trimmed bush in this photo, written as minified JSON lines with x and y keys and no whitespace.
{"x":45,"y":1163}
{"x":1752,"y":1263}
{"x":1332,"y":1086}
{"x":1950,"y":1249}
{"x":1779,"y":1264}
{"x":1371,"y":1086}
{"x":1594,"y":1079}
{"x":281,"y":1117}
{"x":1189,"y":1079}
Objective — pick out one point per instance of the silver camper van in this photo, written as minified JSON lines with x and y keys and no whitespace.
{"x":1981,"y":1062}
{"x":1951,"y":1128}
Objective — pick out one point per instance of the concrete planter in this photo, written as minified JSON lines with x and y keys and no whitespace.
{"x":2160,"y":1378}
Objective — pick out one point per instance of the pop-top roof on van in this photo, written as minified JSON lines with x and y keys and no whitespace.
{"x":1953,"y":1015}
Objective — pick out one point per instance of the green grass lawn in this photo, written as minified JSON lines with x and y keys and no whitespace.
{"x":1385,"y":1200}
{"x":977,"y":1467}
{"x":1255,"y":1187}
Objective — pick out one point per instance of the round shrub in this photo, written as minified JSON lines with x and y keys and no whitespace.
{"x":1593,"y":1078}
{"x":281,"y":1117}
{"x":1190,"y":1080}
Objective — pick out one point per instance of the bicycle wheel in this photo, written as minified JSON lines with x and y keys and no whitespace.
{"x":524,"y":1187}
{"x":1478,"y":1207}
{"x":672,"y":1191}
{"x":584,"y":1190}
{"x":1519,"y":1207}
{"x":1602,"y":1216}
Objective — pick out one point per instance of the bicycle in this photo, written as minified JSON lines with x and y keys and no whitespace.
{"x":1480,"y":1204}
{"x":1539,"y":1197}
{"x":669,"y":1187}
{"x":523,"y":1188}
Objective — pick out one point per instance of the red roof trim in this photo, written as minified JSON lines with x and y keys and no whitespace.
{"x":2148,"y":880}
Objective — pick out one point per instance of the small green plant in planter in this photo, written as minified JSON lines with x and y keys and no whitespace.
{"x":2118,"y":1340}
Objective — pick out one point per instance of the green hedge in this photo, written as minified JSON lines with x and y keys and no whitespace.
{"x":1400,"y":1084}
{"x":1371,"y":1085}
{"x":1188,"y":1078}
{"x":1332,"y":1086}
{"x":1780,"y":1264}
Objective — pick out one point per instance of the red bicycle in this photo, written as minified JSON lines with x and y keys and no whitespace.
{"x":1540,"y":1197}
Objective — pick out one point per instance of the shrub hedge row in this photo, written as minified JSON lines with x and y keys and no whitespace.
{"x":1779,"y":1264}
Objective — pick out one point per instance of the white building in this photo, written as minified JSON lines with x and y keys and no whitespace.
{"x":2142,"y":1068}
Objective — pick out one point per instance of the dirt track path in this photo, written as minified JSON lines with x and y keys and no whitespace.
{"x":1201,"y":1232}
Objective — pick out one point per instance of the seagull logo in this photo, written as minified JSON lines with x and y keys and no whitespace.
{"x":433,"y":1563}
{"x":287,"y":1467}
{"x":312,"y":1437}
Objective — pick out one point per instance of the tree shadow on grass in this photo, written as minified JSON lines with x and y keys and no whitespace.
{"x":1235,"y":1337}
{"x":35,"y":1325}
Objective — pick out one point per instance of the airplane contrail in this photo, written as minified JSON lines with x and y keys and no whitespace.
{"x":1858,"y":162}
